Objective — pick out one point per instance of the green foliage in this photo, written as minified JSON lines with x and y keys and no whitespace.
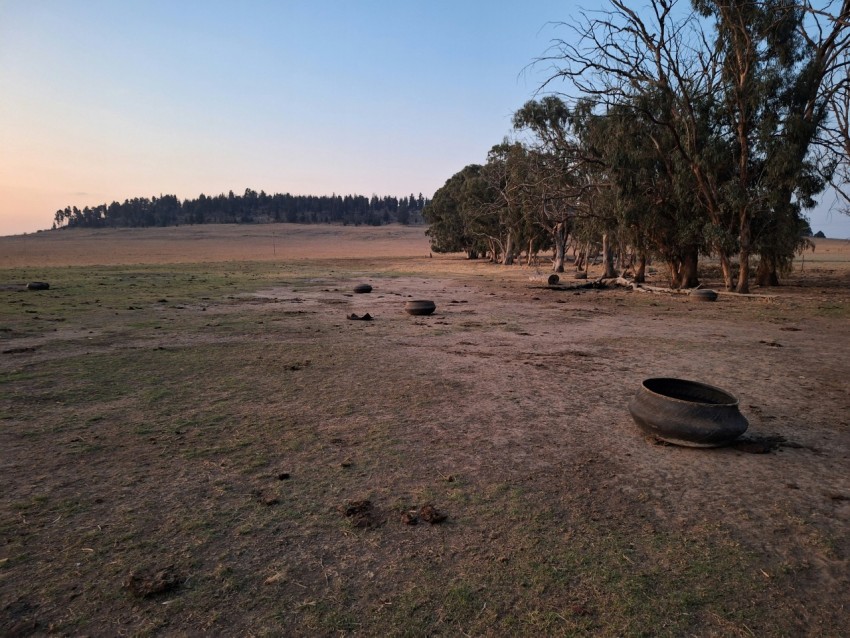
{"x":167,"y":210}
{"x":452,"y":214}
{"x":688,"y":134}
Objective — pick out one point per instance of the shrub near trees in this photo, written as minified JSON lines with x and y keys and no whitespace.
{"x":687,"y":133}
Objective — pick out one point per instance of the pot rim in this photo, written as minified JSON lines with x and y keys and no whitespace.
{"x":733,"y":403}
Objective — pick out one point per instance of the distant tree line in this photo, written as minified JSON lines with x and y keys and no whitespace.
{"x":250,"y":207}
{"x":681,"y":135}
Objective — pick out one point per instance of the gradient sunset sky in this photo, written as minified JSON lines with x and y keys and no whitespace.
{"x":107,"y":100}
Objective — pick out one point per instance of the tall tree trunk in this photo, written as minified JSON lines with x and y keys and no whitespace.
{"x":673,"y":267}
{"x":744,"y":255}
{"x":607,"y":257}
{"x":640,"y":271}
{"x":689,"y":269}
{"x":494,"y":250}
{"x":766,"y":274}
{"x":508,"y":257}
{"x":560,"y":239}
{"x":726,"y":268}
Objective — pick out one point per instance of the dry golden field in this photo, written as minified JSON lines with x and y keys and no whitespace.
{"x":191,"y":426}
{"x":210,"y":243}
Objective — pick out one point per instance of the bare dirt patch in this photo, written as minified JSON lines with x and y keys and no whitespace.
{"x":146,"y":435}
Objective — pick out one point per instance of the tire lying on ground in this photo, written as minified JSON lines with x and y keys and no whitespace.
{"x":687,"y":413}
{"x":703,"y":294}
{"x":38,"y":285}
{"x":420,"y":307}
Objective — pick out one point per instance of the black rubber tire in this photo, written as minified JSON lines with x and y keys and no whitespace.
{"x":687,"y":413}
{"x":703,"y":294}
{"x":419,"y":307}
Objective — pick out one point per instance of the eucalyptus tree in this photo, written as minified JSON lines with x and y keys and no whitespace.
{"x":615,"y":176}
{"x":741,"y":91}
{"x":453,"y":213}
{"x":834,"y":141}
{"x":565,"y":172}
{"x":507,"y":174}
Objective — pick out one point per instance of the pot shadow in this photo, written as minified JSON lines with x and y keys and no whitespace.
{"x":753,"y":443}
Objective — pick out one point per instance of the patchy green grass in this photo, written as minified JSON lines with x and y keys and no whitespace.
{"x":157,"y":417}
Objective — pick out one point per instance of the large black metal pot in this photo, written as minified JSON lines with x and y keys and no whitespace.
{"x":687,"y":412}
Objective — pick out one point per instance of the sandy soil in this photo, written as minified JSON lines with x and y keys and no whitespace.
{"x":535,"y":383}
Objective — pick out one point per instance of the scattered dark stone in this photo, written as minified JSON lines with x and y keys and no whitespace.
{"x":410,"y":518}
{"x":38,"y":285}
{"x":792,"y":486}
{"x":283,"y":476}
{"x":772,"y":344}
{"x":450,"y":478}
{"x":579,"y":610}
{"x":362,"y":514}
{"x":366,"y":317}
{"x":431,"y":514}
{"x":146,"y":583}
{"x":791,"y":329}
{"x":839,"y":497}
{"x":270,"y":500}
{"x":346,"y":463}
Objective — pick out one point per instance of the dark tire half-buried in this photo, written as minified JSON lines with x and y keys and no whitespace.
{"x":687,"y":413}
{"x":703,"y":294}
{"x":420,"y":307}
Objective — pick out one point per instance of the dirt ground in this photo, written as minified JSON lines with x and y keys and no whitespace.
{"x":506,"y":410}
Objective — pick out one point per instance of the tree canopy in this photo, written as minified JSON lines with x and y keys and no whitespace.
{"x":250,"y":207}
{"x":678,"y":132}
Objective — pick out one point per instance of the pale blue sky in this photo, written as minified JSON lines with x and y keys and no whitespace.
{"x":104,"y":100}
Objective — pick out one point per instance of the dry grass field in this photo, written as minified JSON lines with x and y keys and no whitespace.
{"x":195,"y":438}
